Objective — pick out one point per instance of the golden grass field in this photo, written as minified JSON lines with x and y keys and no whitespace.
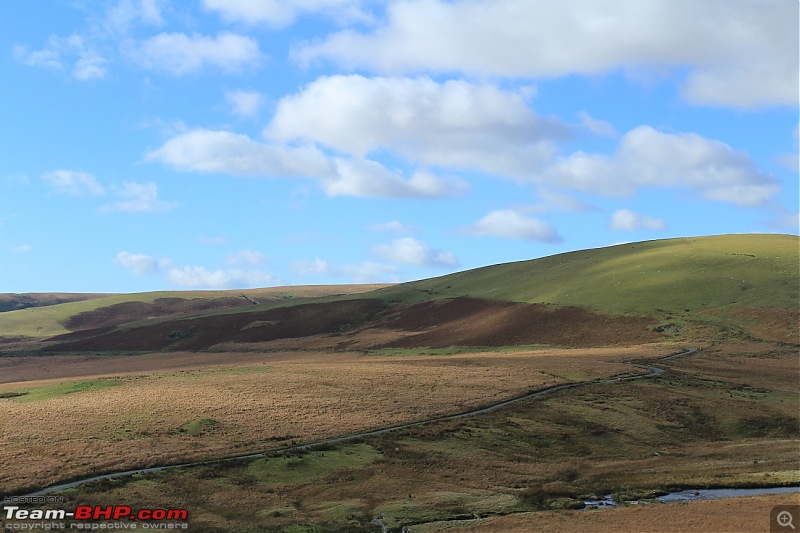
{"x":169,"y":408}
{"x":725,"y":416}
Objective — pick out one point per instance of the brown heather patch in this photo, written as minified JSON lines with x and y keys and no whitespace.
{"x":259,"y":404}
{"x":770,"y":323}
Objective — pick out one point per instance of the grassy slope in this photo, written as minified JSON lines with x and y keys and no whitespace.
{"x":47,"y":321}
{"x":671,"y":275}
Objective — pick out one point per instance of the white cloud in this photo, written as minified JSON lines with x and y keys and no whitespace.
{"x":598,"y":127}
{"x":408,"y":250}
{"x":246,"y":257}
{"x":197,"y":277}
{"x":394,"y":226}
{"x":562,"y":202}
{"x":737,"y":53}
{"x":625,"y":219}
{"x":649,"y":158}
{"x":139,"y":264}
{"x":74,"y":182}
{"x":365,"y":272}
{"x":178,"y":53}
{"x":452,"y":124}
{"x":48,"y":57}
{"x":279,"y":13}
{"x":123,"y":14}
{"x":363,"y":177}
{"x":222,"y":151}
{"x":138,"y":198}
{"x":314,"y":267}
{"x":88,"y":62}
{"x":90,"y":65}
{"x":245,"y":103}
{"x":22,"y":248}
{"x":510,"y":224}
{"x":230,"y":153}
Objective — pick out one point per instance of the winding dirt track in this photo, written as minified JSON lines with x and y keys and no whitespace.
{"x":652,"y":372}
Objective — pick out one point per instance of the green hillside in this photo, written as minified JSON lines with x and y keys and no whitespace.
{"x":45,"y":321}
{"x":671,"y":275}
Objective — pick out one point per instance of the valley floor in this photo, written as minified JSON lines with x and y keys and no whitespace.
{"x":724,"y":416}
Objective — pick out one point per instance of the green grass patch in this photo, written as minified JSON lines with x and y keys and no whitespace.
{"x":295,"y":470}
{"x":202,"y":425}
{"x":447,"y":505}
{"x":456,"y":350}
{"x":340,"y":510}
{"x":46,"y":392}
{"x":667,"y":275}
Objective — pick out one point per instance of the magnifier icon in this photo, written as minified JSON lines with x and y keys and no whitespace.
{"x":784,"y":519}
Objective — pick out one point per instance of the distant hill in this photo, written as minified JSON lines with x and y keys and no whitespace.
{"x":15,"y":302}
{"x":746,"y":285}
{"x":44,"y":315}
{"x":671,"y":275}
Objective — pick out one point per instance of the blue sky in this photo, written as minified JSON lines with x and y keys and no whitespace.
{"x":158,"y":144}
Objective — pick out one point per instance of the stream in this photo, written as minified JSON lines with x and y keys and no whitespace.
{"x":691,"y":495}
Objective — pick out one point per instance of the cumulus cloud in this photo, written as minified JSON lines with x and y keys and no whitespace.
{"x":246,"y":257}
{"x":367,"y":272}
{"x":728,"y":63}
{"x":73,"y":182}
{"x":139,"y":264}
{"x":230,"y":153}
{"x":363,"y":177}
{"x":178,"y":53}
{"x":364,"y":272}
{"x":138,"y":198}
{"x":453,"y":124}
{"x":510,"y":224}
{"x":408,"y":250}
{"x":314,"y":267}
{"x":280,"y":13}
{"x":222,"y":151}
{"x":646,"y":157}
{"x":625,"y":219}
{"x":197,"y":277}
{"x":245,"y":103}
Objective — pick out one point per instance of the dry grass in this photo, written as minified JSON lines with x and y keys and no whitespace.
{"x":725,"y":416}
{"x":735,"y":515}
{"x":255,"y":402}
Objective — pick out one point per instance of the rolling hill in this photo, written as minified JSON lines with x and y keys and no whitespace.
{"x":634,"y":292}
{"x":669,"y":275}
